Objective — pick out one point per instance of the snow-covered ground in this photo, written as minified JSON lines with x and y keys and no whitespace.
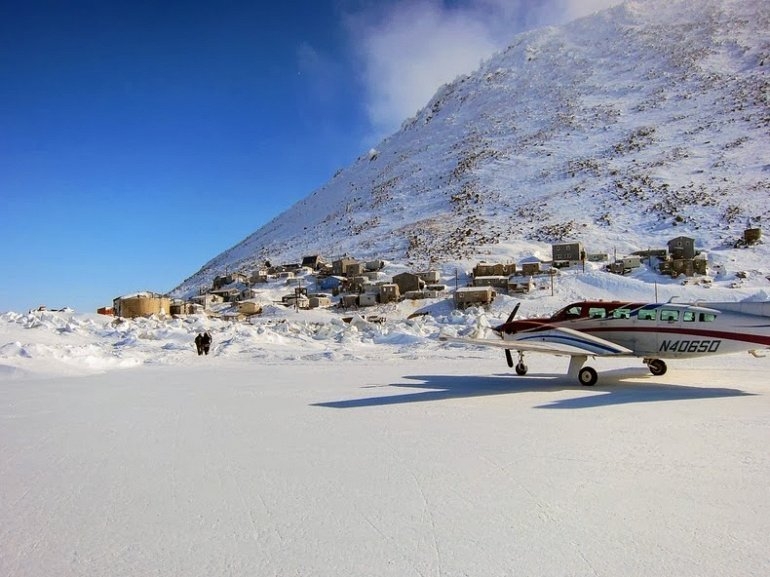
{"x":306,"y":445}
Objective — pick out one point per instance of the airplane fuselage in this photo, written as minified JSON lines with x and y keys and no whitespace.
{"x":659,"y":330}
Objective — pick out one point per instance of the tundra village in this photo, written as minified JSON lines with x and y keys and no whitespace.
{"x":347,"y":284}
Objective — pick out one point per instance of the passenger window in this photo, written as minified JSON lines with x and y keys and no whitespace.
{"x":621,"y":314}
{"x":688,"y":316}
{"x":707,"y":317}
{"x":647,"y":314}
{"x":669,"y":316}
{"x":597,"y":313}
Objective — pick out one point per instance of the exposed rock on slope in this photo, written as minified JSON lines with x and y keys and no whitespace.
{"x":613,"y":129}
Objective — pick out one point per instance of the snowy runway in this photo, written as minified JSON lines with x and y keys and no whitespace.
{"x":424,"y":467}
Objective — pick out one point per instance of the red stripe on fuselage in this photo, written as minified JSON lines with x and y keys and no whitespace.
{"x":534,"y":326}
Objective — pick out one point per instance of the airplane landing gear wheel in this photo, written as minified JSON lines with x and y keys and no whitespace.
{"x":521,"y":369}
{"x":587,"y":377}
{"x":657,"y":367}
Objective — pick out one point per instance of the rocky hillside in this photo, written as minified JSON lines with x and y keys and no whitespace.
{"x":622,"y":129}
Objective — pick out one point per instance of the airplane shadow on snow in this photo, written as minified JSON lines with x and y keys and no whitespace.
{"x":611,"y":390}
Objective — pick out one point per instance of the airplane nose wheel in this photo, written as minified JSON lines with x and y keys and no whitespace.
{"x":521,"y":369}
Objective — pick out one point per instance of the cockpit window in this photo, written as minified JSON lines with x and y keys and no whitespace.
{"x":707,"y":317}
{"x":688,"y":316}
{"x":574,"y":311}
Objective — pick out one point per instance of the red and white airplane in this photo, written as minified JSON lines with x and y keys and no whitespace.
{"x":652,"y":331}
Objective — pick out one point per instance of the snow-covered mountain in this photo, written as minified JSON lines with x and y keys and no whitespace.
{"x":624,"y":129}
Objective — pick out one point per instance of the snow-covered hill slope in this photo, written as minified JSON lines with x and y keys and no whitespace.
{"x":623,"y":129}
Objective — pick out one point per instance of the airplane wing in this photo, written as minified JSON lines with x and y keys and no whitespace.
{"x":556,"y":341}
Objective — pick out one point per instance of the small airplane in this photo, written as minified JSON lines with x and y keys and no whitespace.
{"x":652,"y":331}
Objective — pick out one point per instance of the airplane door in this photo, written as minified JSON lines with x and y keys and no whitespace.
{"x":669,"y":325}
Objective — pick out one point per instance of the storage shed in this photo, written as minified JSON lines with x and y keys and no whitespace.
{"x":473,"y":296}
{"x":142,"y":304}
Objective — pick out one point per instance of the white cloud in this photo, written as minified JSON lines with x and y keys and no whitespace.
{"x":407,"y":49}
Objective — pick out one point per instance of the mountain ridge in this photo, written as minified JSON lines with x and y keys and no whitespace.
{"x":639,"y":123}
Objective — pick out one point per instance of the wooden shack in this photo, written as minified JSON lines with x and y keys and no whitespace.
{"x":184,"y":308}
{"x":752,"y":236}
{"x":494,"y":269}
{"x":492,"y":280}
{"x":319,"y":301}
{"x":515,"y":285}
{"x":473,"y":296}
{"x":367,"y":299}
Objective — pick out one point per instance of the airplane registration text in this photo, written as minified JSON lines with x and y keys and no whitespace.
{"x":695,"y":346}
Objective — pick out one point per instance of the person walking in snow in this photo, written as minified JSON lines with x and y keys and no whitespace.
{"x":206,"y":342}
{"x":199,"y":343}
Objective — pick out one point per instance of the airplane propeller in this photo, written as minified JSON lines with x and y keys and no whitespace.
{"x":513,"y":313}
{"x":508,"y":357}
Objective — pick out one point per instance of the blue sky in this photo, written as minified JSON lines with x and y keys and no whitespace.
{"x":139,"y":139}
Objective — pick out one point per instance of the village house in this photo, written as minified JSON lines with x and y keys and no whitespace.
{"x":228,"y":279}
{"x":314,"y":262}
{"x":497,"y":281}
{"x":389,"y":293}
{"x":374,"y":265}
{"x":333,"y":283}
{"x":681,"y":247}
{"x":367,"y":299}
{"x":180,"y":308}
{"x":516,"y":285}
{"x":206,"y":300}
{"x":429,"y":276}
{"x":316,"y":301}
{"x":249,"y":293}
{"x":259,"y":276}
{"x":531,"y":268}
{"x":340,"y":266}
{"x":228,"y":295}
{"x":494,"y":269}
{"x":567,"y":254}
{"x":408,"y":282}
{"x":473,"y":296}
{"x":625,"y":265}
